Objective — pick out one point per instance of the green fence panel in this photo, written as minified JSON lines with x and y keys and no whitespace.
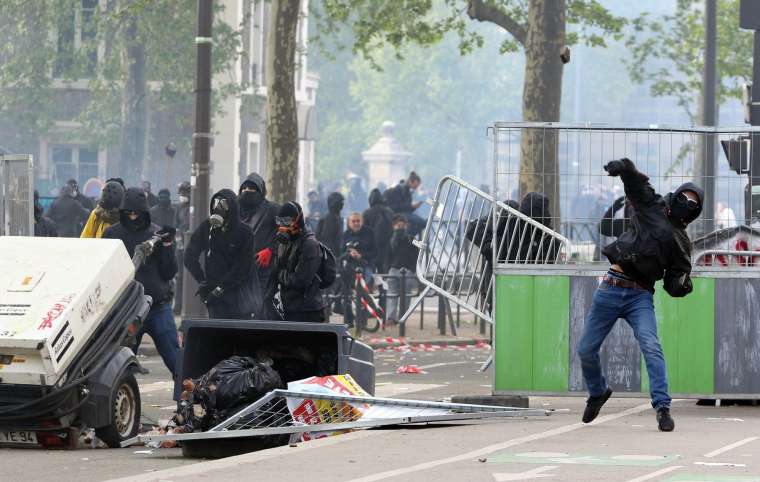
{"x":686,"y":327}
{"x":532,"y":333}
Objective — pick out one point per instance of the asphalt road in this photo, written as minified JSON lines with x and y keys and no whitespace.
{"x":448,"y":372}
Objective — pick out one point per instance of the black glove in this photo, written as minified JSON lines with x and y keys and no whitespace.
{"x":203,"y":291}
{"x":619,"y":203}
{"x":678,"y":286}
{"x":167,"y":234}
{"x":615,"y":168}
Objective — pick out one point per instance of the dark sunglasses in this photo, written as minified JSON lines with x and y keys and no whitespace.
{"x":690,"y":203}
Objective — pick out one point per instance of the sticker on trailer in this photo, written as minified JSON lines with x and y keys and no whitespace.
{"x":62,"y":342}
{"x":26,"y":282}
{"x":55,"y":312}
{"x":14,"y":310}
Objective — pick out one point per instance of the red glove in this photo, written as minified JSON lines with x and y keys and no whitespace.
{"x":264,"y":258}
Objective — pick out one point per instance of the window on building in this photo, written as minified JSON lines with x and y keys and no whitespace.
{"x":76,"y":34}
{"x":72,"y":162}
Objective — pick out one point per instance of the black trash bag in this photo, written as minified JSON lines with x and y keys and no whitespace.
{"x":235,"y":381}
{"x":229,"y":386}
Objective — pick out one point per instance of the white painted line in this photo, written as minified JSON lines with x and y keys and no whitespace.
{"x":652,"y":475}
{"x":156,"y":387}
{"x":732,"y":446}
{"x":537,"y":473}
{"x":403,"y":389}
{"x":719,"y":464}
{"x":474,"y":454}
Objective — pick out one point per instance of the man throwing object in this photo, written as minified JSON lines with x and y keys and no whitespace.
{"x":654,"y":247}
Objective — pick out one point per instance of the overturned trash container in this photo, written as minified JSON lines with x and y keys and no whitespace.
{"x":298,"y":351}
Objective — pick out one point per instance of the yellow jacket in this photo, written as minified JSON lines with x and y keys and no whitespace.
{"x":98,"y":222}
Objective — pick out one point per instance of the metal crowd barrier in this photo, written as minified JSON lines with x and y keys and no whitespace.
{"x":465,"y":230}
{"x":16,"y":196}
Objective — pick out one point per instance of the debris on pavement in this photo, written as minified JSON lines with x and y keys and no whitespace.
{"x":410,"y":369}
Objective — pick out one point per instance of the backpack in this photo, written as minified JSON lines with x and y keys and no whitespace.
{"x":328,"y":268}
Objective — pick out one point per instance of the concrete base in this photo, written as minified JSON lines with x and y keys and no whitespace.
{"x":498,"y":400}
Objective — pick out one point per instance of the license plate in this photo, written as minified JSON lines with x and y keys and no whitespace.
{"x":18,"y":437}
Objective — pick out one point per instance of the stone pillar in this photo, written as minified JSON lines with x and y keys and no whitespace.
{"x":386,"y":159}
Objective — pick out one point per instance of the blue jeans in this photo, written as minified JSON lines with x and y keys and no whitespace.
{"x":160,"y":325}
{"x":637,"y":308}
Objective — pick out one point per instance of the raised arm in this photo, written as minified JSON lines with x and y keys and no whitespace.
{"x":636,"y":184}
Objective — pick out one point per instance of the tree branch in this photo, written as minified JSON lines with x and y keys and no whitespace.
{"x":487,"y":11}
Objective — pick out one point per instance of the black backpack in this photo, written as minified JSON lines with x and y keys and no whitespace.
{"x":328,"y":268}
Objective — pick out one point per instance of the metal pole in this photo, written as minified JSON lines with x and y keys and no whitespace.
{"x":199,"y":179}
{"x":709,"y":86}
{"x":441,"y":315}
{"x":402,"y":301}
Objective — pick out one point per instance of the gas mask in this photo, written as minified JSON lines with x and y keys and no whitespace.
{"x":219,"y":212}
{"x":287,"y":228}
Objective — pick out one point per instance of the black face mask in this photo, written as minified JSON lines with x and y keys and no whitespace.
{"x":282,"y":238}
{"x":250,"y":199}
{"x":135,"y":225}
{"x":682,"y":209}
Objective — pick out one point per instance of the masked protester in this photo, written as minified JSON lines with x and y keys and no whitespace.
{"x":226,"y":245}
{"x":152,"y":199}
{"x":259,"y":213}
{"x":106,"y":213}
{"x":44,"y":227}
{"x":400,"y":199}
{"x":330,"y":227}
{"x":654,"y":247}
{"x":86,"y":202}
{"x":155,"y":274}
{"x":379,"y":218}
{"x":68,"y":214}
{"x":164,"y":213}
{"x":294,"y":287}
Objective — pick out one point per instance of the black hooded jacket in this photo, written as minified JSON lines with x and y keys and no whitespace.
{"x":260,"y":218}
{"x":400,"y":198}
{"x":655,"y":246}
{"x":44,"y":227}
{"x":297,"y":265}
{"x":379,"y":218}
{"x":160,"y":268}
{"x":330,"y":227}
{"x":228,"y":252}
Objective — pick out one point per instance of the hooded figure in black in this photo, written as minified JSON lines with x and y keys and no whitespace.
{"x":85,"y":201}
{"x":379,"y":218}
{"x":654,"y":247}
{"x":164,"y":213}
{"x":156,"y":273}
{"x":294,"y":288}
{"x":44,"y":227}
{"x":330,"y":227}
{"x":226,"y":245}
{"x":258,"y":212}
{"x":68,"y":214}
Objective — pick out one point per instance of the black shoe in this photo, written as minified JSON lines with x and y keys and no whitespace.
{"x":594,"y":404}
{"x":664,"y":420}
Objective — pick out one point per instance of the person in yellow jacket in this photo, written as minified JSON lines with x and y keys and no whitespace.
{"x":106,"y":213}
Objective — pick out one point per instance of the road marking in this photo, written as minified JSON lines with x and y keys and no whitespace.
{"x":719,"y":464}
{"x":474,"y":454}
{"x":732,"y":446}
{"x":425,"y":367}
{"x":551,"y":458}
{"x":537,"y":473}
{"x":658,"y":473}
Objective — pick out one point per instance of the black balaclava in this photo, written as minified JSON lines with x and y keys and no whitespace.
{"x":680,"y":211}
{"x":136,"y":200}
{"x":111,"y":196}
{"x":250,"y":200}
{"x":164,"y":198}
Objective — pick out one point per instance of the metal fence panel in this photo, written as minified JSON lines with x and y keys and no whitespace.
{"x":16,"y":195}
{"x":565,"y":162}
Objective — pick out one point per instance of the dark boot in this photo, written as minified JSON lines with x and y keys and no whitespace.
{"x":664,"y":420}
{"x":594,"y":404}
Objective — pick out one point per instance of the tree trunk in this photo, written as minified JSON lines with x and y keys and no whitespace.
{"x":542,"y":94}
{"x":282,"y":112}
{"x":134,"y":112}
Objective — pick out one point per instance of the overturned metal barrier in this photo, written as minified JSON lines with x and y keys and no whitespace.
{"x":276,"y":414}
{"x":466,"y":229}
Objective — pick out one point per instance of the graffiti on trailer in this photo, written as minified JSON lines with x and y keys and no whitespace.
{"x":93,"y":303}
{"x":55,"y":312}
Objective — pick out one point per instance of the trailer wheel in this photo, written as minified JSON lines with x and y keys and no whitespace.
{"x":125,"y":412}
